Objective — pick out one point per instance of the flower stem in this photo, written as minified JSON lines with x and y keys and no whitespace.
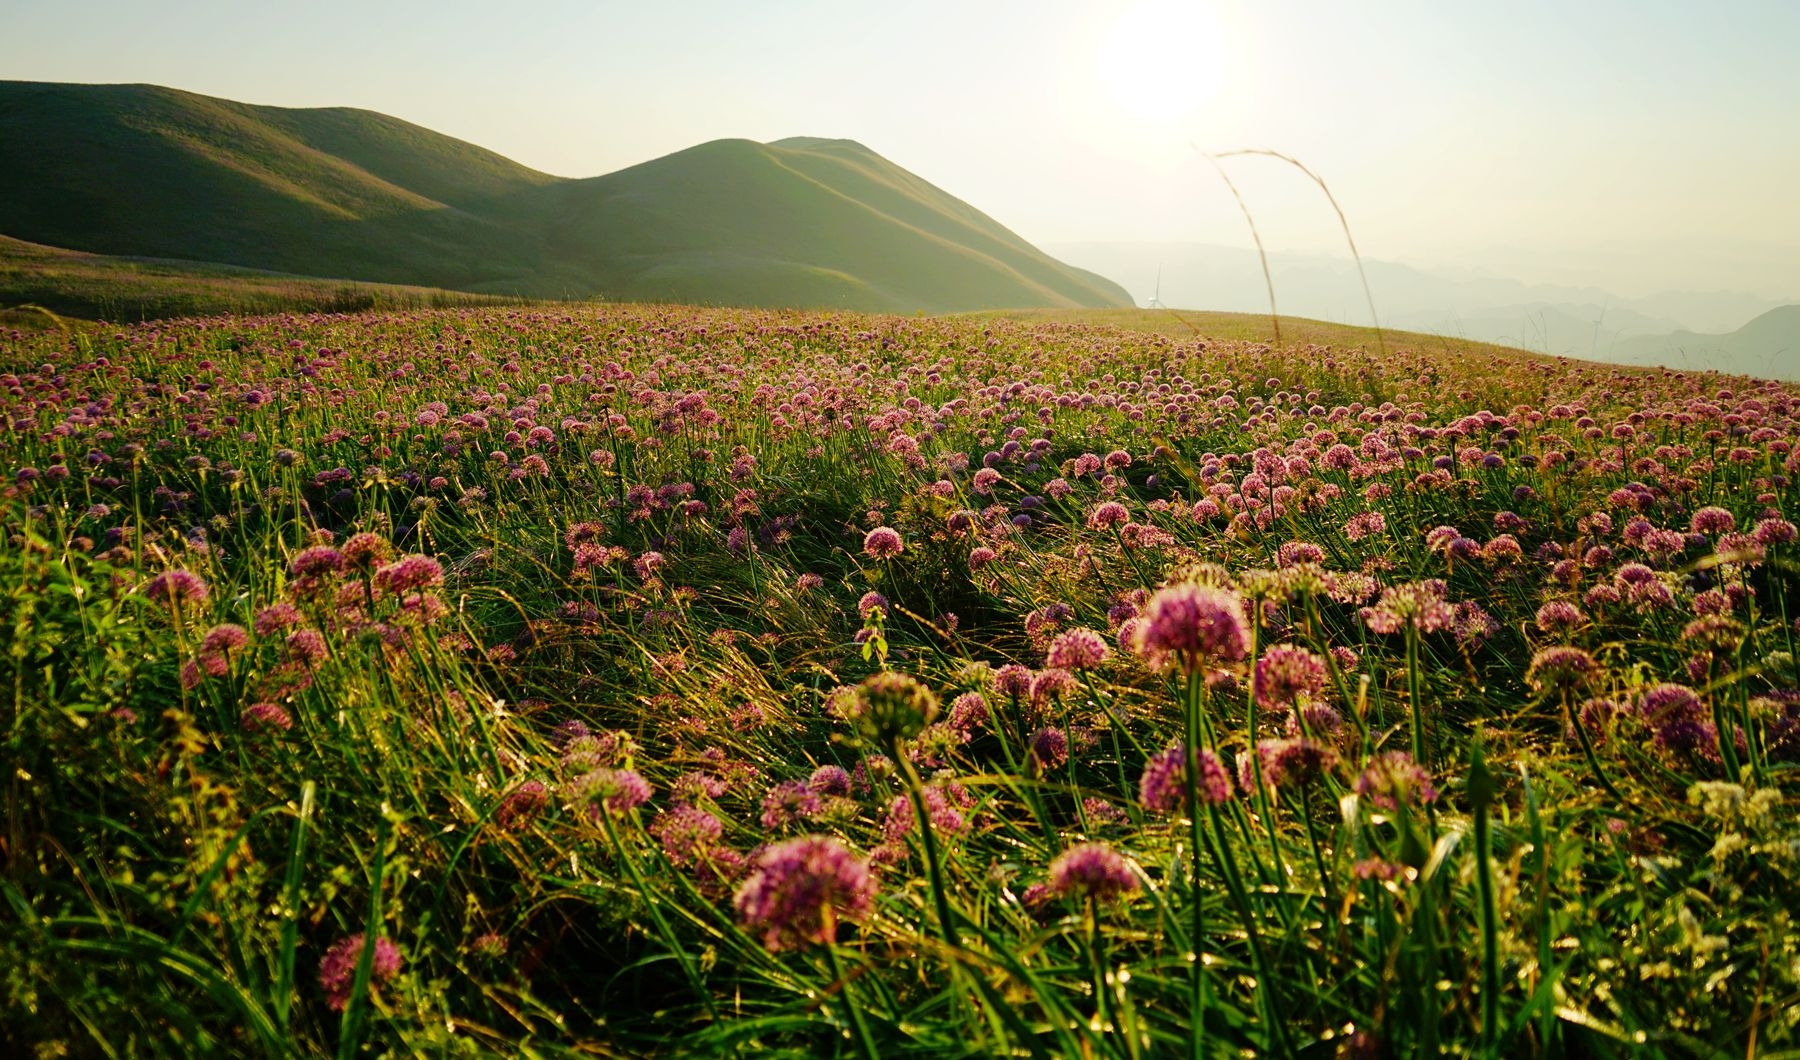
{"x":863,"y":1037}
{"x":940,"y":895}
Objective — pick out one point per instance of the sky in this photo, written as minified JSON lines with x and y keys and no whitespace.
{"x":1634,"y":145}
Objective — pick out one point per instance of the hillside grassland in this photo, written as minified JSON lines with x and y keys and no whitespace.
{"x":1190,"y":324}
{"x":339,"y":192}
{"x":612,"y":680}
{"x":130,"y":290}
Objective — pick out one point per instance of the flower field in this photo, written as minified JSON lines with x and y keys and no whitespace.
{"x":624,"y":681}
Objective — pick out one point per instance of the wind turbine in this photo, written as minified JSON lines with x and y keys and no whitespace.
{"x":1156,"y":299}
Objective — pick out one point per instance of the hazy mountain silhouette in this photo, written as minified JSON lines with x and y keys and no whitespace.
{"x":1768,"y":346}
{"x":1572,"y":321}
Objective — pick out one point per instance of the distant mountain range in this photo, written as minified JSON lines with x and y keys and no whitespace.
{"x":1728,"y":331}
{"x":140,"y":170}
{"x":1768,"y":346}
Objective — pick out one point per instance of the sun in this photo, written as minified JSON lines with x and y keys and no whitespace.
{"x":1163,"y":60}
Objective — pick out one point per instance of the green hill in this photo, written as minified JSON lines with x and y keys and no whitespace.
{"x":154,"y":172}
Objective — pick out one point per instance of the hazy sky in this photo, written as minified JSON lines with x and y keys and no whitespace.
{"x":1629,"y":144}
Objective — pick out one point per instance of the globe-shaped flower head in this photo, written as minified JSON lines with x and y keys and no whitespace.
{"x":337,"y":969}
{"x":1092,"y":870}
{"x":1190,"y":626}
{"x":802,"y":889}
{"x":883,"y":542}
{"x":890,"y":706}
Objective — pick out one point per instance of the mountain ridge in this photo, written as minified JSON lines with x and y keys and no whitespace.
{"x":1767,"y":346}
{"x":348,"y":193}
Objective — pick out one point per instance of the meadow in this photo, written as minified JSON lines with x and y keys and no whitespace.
{"x":645,"y":680}
{"x":92,"y":287}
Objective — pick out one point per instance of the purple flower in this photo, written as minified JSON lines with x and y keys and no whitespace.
{"x":1190,"y":626}
{"x":870,"y":603}
{"x":568,"y":732}
{"x":1076,"y":649}
{"x":611,"y":791}
{"x":787,"y":802}
{"x":1286,"y":673}
{"x":1295,"y":553}
{"x":1688,"y":737}
{"x":1110,"y":513}
{"x":687,"y":834}
{"x":1712,"y":521}
{"x":172,"y":587}
{"x":1772,"y":531}
{"x":1558,"y":616}
{"x":1502,"y":550}
{"x":337,"y":969}
{"x":224,"y":638}
{"x":365,"y":550}
{"x":944,"y":802}
{"x":1293,"y":761}
{"x":1365,"y":524}
{"x":316,"y":562}
{"x":1163,"y":787}
{"x":1666,"y":704}
{"x":648,"y":564}
{"x":1596,"y":717}
{"x":264,"y":717}
{"x":801,"y":889}
{"x":1561,"y":669}
{"x":521,"y":804}
{"x":1474,"y":625}
{"x":693,"y":786}
{"x":1393,"y":780}
{"x":1092,"y":870}
{"x":968,"y":712}
{"x":883,"y":542}
{"x":1416,"y":605}
{"x":409,"y":574}
{"x":1049,"y":749}
{"x":1047,"y":685}
{"x":870,"y":770}
{"x":1744,"y":549}
{"x":1440,"y":539}
{"x":306,"y":646}
{"x":1013,"y":680}
{"x":275,"y":618}
{"x":829,"y":780}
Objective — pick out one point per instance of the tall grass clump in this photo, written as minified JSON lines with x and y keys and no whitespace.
{"x":651,"y":680}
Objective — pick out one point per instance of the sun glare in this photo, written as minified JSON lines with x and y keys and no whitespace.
{"x":1162,"y":60}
